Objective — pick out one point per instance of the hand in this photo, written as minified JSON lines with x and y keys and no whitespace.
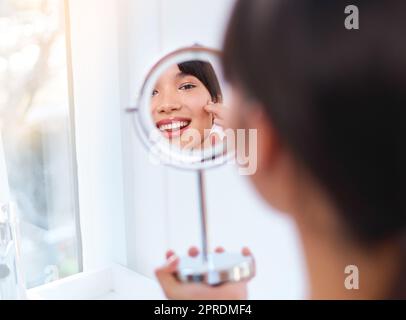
{"x":220,"y":113}
{"x":174,"y":289}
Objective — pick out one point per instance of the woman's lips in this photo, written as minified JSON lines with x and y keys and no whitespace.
{"x":173,"y":127}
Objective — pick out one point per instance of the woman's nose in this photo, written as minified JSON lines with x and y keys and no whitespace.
{"x":168,"y":108}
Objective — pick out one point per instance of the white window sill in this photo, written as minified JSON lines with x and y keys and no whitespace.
{"x":113,"y":283}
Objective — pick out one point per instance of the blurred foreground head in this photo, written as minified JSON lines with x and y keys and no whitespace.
{"x":336,"y":98}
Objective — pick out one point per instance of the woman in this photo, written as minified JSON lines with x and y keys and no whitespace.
{"x":179,"y":101}
{"x":328,"y":104}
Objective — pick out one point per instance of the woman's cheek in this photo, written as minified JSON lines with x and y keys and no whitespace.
{"x":196,"y":104}
{"x":154,"y":112}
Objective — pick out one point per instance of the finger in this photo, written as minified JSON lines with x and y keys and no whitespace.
{"x":216,"y":109}
{"x":219,"y":122}
{"x":169,"y":254}
{"x":165,"y":276}
{"x":219,"y":250}
{"x":246,"y":251}
{"x":193,"y":252}
{"x":170,"y":265}
{"x":213,"y":108}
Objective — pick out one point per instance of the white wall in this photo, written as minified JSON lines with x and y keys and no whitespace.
{"x":160,"y":204}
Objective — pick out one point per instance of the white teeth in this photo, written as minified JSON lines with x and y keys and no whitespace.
{"x":174,"y":125}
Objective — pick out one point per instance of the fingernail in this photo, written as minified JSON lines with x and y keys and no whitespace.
{"x":172,"y":259}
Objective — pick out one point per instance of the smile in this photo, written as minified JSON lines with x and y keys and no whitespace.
{"x":173,"y":126}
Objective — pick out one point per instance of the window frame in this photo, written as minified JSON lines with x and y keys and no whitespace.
{"x":72,"y":139}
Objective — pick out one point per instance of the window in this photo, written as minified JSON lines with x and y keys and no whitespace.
{"x":36,"y":126}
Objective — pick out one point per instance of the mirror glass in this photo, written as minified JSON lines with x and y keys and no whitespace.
{"x":183,"y":108}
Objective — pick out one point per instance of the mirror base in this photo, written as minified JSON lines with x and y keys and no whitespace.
{"x":220,"y":268}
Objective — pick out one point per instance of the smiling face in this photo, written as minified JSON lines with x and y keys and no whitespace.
{"x":177,"y":107}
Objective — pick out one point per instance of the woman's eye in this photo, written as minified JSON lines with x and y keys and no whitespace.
{"x":154,"y":92}
{"x":187,"y":86}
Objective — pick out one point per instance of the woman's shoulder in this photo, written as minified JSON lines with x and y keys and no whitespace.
{"x":398,"y":291}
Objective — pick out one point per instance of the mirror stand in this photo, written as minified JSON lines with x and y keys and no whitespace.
{"x":203,"y":214}
{"x":212,"y":268}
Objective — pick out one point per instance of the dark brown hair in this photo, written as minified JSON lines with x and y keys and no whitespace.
{"x":205,"y":73}
{"x":337,"y":98}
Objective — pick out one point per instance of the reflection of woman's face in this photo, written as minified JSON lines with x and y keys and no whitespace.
{"x":177,"y":106}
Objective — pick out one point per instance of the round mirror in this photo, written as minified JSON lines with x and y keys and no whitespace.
{"x":181,"y":109}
